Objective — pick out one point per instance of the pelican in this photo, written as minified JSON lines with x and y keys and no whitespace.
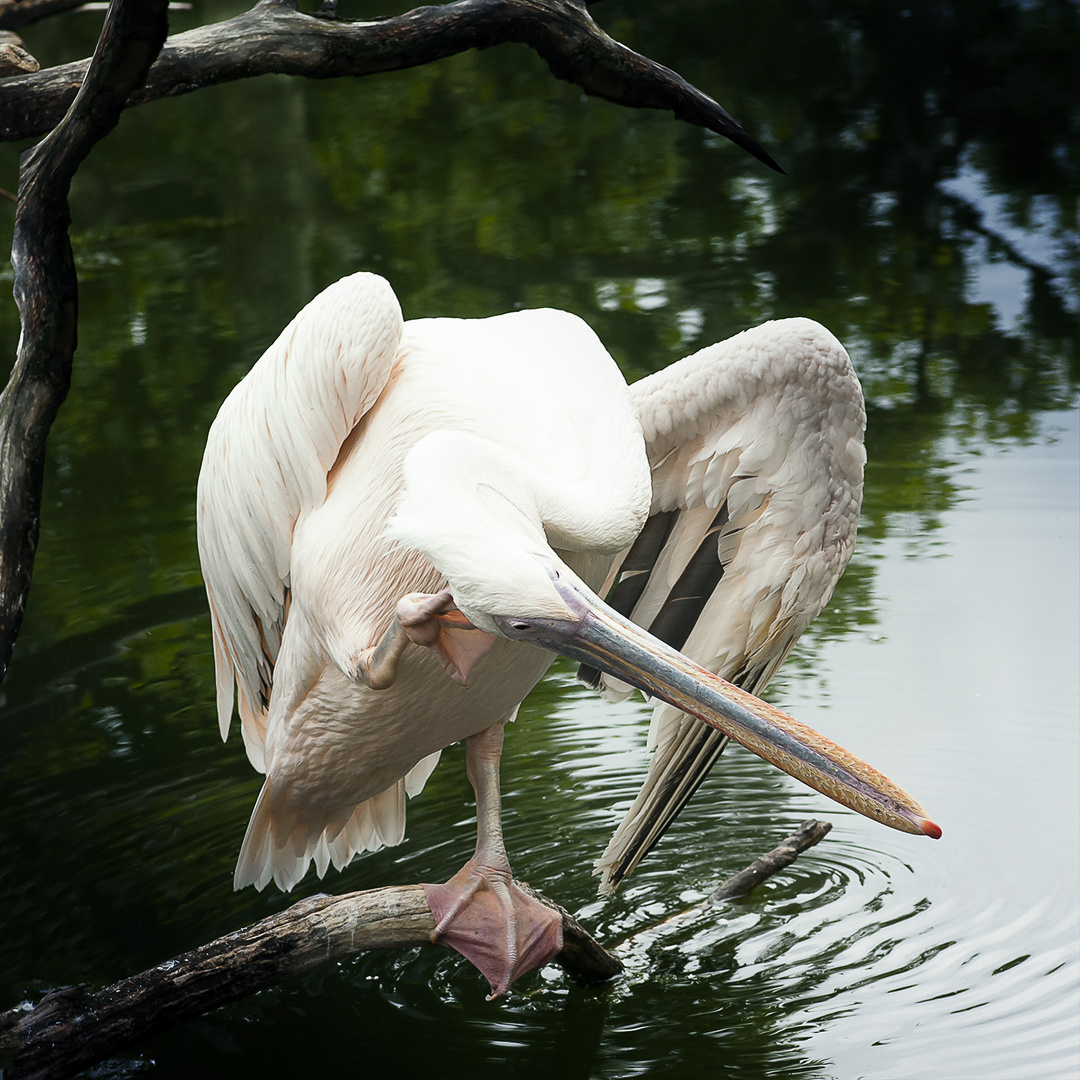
{"x":401,"y":523}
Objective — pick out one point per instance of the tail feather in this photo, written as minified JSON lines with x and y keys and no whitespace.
{"x":675,"y":772}
{"x":280,"y":848}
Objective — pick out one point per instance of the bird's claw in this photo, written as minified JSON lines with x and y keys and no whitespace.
{"x":433,"y":621}
{"x":421,"y":616}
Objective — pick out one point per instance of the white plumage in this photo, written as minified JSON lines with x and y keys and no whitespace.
{"x":364,"y":459}
{"x":769,"y":426}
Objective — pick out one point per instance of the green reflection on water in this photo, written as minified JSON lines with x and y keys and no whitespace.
{"x":926,"y":153}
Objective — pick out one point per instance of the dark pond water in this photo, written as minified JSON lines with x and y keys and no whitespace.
{"x":928,"y":217}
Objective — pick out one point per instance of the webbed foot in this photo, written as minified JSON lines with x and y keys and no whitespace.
{"x":483,"y":914}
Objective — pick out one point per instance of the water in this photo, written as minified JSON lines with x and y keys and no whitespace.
{"x":928,"y":218}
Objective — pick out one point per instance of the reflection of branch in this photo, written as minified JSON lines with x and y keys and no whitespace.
{"x":973,"y":220}
{"x":71,"y":1029}
{"x":276,"y":38}
{"x":46,"y":290}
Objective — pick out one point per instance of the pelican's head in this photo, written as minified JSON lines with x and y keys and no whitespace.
{"x":484,"y":519}
{"x":597,"y":635}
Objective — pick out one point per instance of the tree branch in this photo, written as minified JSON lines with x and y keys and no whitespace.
{"x":46,"y":289}
{"x":17,"y":13}
{"x":784,"y":854}
{"x":275,"y":38}
{"x":70,"y":1030}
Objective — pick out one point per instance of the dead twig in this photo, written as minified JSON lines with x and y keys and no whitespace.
{"x":781,"y":856}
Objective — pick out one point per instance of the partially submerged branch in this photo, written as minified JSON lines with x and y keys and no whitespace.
{"x":784,"y":854}
{"x":275,"y":38}
{"x":781,"y":856}
{"x":71,"y":1029}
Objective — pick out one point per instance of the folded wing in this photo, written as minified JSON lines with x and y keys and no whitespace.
{"x":756,"y":447}
{"x":267,"y":459}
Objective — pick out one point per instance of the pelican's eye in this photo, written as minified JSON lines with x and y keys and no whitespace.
{"x":516,"y":624}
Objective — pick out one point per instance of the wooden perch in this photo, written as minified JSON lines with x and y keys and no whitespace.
{"x":276,"y":38}
{"x":70,"y":1030}
{"x":46,"y":289}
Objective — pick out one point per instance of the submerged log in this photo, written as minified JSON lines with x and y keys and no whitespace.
{"x":69,"y":1030}
{"x":72,"y":1029}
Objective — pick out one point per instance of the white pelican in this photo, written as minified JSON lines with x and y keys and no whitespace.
{"x":401,"y":522}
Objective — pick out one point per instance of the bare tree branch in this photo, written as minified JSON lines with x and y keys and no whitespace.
{"x":784,"y":854}
{"x":46,"y":289}
{"x":276,"y":38}
{"x":71,"y":1029}
{"x":17,"y":13}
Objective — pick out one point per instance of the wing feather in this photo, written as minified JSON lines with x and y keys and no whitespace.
{"x":267,"y":458}
{"x":756,"y":446}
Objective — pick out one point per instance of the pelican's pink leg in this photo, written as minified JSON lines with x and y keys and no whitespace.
{"x":480,"y":912}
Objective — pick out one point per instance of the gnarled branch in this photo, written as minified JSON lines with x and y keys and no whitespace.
{"x":275,"y":38}
{"x":46,"y":289}
{"x":68,"y":1030}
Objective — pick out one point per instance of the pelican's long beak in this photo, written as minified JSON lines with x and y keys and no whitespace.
{"x":595,"y":634}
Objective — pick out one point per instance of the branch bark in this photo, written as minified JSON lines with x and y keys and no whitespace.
{"x":276,"y":38}
{"x":70,"y":1030}
{"x":784,"y":854}
{"x":46,"y":289}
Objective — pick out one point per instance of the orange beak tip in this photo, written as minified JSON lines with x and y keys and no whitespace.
{"x":930,"y":829}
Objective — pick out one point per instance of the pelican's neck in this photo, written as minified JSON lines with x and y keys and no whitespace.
{"x":489,"y":521}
